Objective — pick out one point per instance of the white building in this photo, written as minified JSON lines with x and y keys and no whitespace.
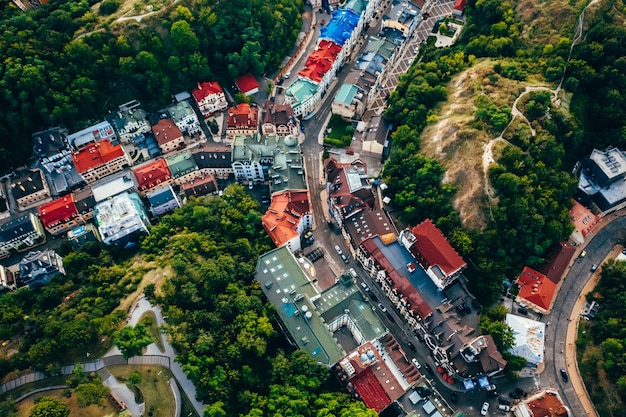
{"x":121,"y":219}
{"x":529,"y":338}
{"x":184,"y":117}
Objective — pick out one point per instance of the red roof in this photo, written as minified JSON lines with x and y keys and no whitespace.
{"x":433,"y":249}
{"x":166,"y":131}
{"x":247,"y":84}
{"x":242,"y":116}
{"x":460,"y":5}
{"x":583,"y":219}
{"x":557,"y":262}
{"x":320,"y":61}
{"x":95,"y":155}
{"x":282,"y":218}
{"x":370,"y":391}
{"x":206,"y":89}
{"x":536,"y":288}
{"x":152,"y":174}
{"x":58,"y":211}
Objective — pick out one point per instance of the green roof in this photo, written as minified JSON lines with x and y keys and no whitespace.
{"x":301,"y":90}
{"x":381,"y":46}
{"x":181,"y":164}
{"x":346,"y":93}
{"x":357,"y":6}
{"x":289,"y":289}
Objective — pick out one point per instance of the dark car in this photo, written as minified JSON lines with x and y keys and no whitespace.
{"x":454,"y":396}
{"x":564,"y":375}
{"x":514,"y":395}
{"x":492,"y":394}
{"x":428,"y":368}
{"x":411,"y":346}
{"x":520,"y":392}
{"x":504,"y":401}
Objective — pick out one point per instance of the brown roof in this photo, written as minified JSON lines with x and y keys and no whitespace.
{"x":166,"y":131}
{"x":200,"y":186}
{"x":546,"y":405}
{"x":490,"y":358}
{"x":277,"y":114}
{"x":557,"y":262}
{"x":283,"y":216}
{"x":242,"y":116}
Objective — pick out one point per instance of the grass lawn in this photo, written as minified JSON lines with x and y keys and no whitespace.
{"x":148,"y":319}
{"x":338,"y":136}
{"x":154,"y":387}
{"x":108,"y":408}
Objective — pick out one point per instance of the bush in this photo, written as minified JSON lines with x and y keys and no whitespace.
{"x":108,"y":7}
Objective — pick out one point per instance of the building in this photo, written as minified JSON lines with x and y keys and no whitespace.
{"x":97,"y":160}
{"x":38,"y":268}
{"x":322,"y":65}
{"x":584,"y":221}
{"x":60,"y":215}
{"x":162,"y":200}
{"x":185,"y":118}
{"x":96,"y":133}
{"x":242,"y":119}
{"x":182,"y":166}
{"x":557,"y":262}
{"x":340,"y":29}
{"x":51,"y":146}
{"x":203,"y":185}
{"x":279,"y":120}
{"x":29,"y":187}
{"x":151,"y":175}
{"x":401,"y":21}
{"x":288,"y":218}
{"x":545,"y":403}
{"x":459,"y":8}
{"x":529,"y":339}
{"x":304,"y":97}
{"x":168,"y":135}
{"x":7,"y":279}
{"x":537,"y":291}
{"x":434,"y":253}
{"x":215,"y":160}
{"x":247,"y":84}
{"x":21,"y":233}
{"x":129,"y":122}
{"x":112,"y":187}
{"x":348,"y":102}
{"x":210,"y":97}
{"x":602,"y":185}
{"x":83,"y":234}
{"x":85,"y":203}
{"x":121,"y":219}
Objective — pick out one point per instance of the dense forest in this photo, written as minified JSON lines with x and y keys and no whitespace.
{"x":532,"y":179}
{"x":602,"y":341}
{"x":49,"y":77}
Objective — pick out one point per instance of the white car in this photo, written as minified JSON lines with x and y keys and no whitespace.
{"x":338,"y":249}
{"x":485,"y":409}
{"x":416,"y":363}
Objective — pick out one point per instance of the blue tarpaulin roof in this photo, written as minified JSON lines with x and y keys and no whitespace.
{"x":468,"y":384}
{"x":483,"y":382}
{"x":340,"y":27}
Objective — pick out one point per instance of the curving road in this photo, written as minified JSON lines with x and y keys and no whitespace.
{"x":560,"y":349}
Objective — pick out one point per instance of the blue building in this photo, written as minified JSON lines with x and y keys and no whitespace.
{"x":340,"y":27}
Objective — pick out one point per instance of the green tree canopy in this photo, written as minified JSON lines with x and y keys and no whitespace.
{"x":49,"y":407}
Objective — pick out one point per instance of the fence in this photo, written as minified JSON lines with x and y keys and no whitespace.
{"x":92,"y":366}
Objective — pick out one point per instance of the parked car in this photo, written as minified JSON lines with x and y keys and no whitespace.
{"x":412,"y":347}
{"x":594,"y":267}
{"x":365,"y":287}
{"x":345,"y":259}
{"x":416,"y":363}
{"x":491,"y":387}
{"x":504,"y":401}
{"x":564,"y":375}
{"x":338,"y":249}
{"x":382,"y":308}
{"x":514,"y":395}
{"x":484,"y":409}
{"x":454,"y":396}
{"x":520,"y":392}
{"x":503,"y":407}
{"x":492,"y":394}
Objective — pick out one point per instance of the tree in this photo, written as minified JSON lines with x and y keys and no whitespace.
{"x":90,"y":393}
{"x":185,"y":39}
{"x":49,"y":407}
{"x":132,"y":340}
{"x":108,"y":7}
{"x":134,"y":378}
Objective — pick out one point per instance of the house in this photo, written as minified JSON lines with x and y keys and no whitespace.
{"x":83,"y":234}
{"x":459,"y":8}
{"x":185,"y":118}
{"x":129,"y":122}
{"x":8,"y":280}
{"x":21,"y":233}
{"x":247,"y":84}
{"x":182,"y":166}
{"x":97,"y":160}
{"x":304,"y":97}
{"x":113,"y":186}
{"x":434,"y":253}
{"x":348,"y":101}
{"x":242,"y":119}
{"x":288,"y":218}
{"x":168,"y":135}
{"x":85,"y":203}
{"x":602,"y":185}
{"x":557,"y":262}
{"x":210,"y":98}
{"x":545,"y":403}
{"x":322,"y":65}
{"x":60,"y":215}
{"x":584,"y":221}
{"x":38,"y":268}
{"x":529,"y":338}
{"x":537,"y":291}
{"x":348,"y":189}
{"x":279,"y":120}
{"x":402,"y":19}
{"x":29,"y":187}
{"x":153,"y":174}
{"x":215,"y":160}
{"x":162,"y":200}
{"x":96,"y":133}
{"x":340,"y":29}
{"x":121,"y":219}
{"x":51,"y":146}
{"x":200,"y":186}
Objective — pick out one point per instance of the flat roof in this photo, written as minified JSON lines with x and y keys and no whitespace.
{"x":529,"y":338}
{"x":112,"y":187}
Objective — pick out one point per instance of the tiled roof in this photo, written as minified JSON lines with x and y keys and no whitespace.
{"x":206,"y":89}
{"x":218,"y":157}
{"x":58,"y":211}
{"x":16,"y":228}
{"x":242,"y":116}
{"x":152,"y":174}
{"x":557,"y":262}
{"x":320,"y":61}
{"x":460,"y":5}
{"x":536,"y":288}
{"x":166,"y":131}
{"x":546,"y":405}
{"x":434,"y":248}
{"x":181,"y":164}
{"x":84,"y":200}
{"x":27,"y":182}
{"x":583,"y":219}
{"x":200,"y":186}
{"x":277,"y":114}
{"x":283,"y":216}
{"x":246,"y":83}
{"x":95,"y":155}
{"x":49,"y":142}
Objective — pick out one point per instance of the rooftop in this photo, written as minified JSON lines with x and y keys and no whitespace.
{"x":213,"y":157}
{"x":605,"y":167}
{"x":247,"y":84}
{"x":49,"y":142}
{"x":124,"y":117}
{"x":84,"y":200}
{"x":346,"y":93}
{"x":206,"y":89}
{"x":166,"y":131}
{"x":40,"y":266}
{"x":95,"y":133}
{"x":546,"y":403}
{"x":434,"y":249}
{"x":320,"y":61}
{"x":529,"y":338}
{"x":557,"y":261}
{"x":161,"y":195}
{"x":181,"y":110}
{"x":278,"y":114}
{"x":242,"y":116}
{"x":583,"y":219}
{"x":120,"y":216}
{"x":113,"y":185}
{"x":381,"y":46}
{"x":301,"y":90}
{"x":95,"y":155}
{"x":536,"y":288}
{"x":357,"y":6}
{"x":152,"y":174}
{"x":289,"y":289}
{"x":283,"y":216}
{"x":58,"y":211}
{"x":181,"y":164}
{"x":369,"y":223}
{"x":340,"y":26}
{"x":17,"y":227}
{"x":27,"y":182}
{"x":200,"y":186}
